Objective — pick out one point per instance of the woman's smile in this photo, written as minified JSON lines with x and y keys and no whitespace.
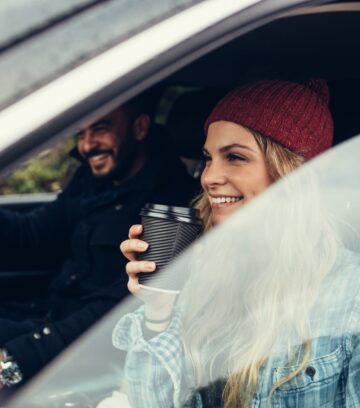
{"x":224,"y":201}
{"x":235,"y":169}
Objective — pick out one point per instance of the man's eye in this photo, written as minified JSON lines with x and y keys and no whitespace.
{"x":101,"y":129}
{"x":79,"y":135}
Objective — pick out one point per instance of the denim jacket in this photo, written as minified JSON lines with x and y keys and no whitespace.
{"x":158,"y":376}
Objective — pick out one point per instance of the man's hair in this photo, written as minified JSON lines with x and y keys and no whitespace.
{"x":147,"y":102}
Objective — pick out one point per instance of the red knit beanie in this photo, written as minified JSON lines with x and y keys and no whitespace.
{"x":294,"y":115}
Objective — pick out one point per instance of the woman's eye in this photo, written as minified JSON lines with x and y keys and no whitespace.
{"x":233,"y":157}
{"x":206,"y":157}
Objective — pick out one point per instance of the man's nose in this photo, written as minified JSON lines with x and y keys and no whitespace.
{"x":213,"y":174}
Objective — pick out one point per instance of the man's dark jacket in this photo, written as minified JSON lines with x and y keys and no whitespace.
{"x":94,"y":217}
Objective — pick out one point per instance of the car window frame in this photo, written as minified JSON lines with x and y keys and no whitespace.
{"x":132,"y":78}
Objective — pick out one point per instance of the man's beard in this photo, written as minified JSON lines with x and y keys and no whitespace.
{"x":123,"y":160}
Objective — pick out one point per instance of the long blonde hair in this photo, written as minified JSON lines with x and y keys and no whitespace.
{"x":246,"y":352}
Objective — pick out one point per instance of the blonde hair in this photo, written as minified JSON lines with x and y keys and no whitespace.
{"x":246,"y":351}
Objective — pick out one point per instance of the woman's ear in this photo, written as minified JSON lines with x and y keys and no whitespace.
{"x":141,"y":127}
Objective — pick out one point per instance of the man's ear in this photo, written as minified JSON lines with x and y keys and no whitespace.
{"x":141,"y":127}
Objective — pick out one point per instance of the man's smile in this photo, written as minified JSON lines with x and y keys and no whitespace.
{"x":99,"y":158}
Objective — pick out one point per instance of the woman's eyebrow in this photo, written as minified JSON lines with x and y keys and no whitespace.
{"x":231,"y":146}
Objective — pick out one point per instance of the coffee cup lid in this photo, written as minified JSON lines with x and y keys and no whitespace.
{"x":170,"y":212}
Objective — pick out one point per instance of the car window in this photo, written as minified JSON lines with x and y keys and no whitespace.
{"x":47,"y":172}
{"x":55,"y":38}
{"x":318,"y":211}
{"x":234,"y":261}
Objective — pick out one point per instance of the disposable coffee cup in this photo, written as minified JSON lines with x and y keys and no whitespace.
{"x":168,"y":230}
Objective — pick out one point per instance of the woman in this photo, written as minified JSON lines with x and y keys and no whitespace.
{"x":282,"y":347}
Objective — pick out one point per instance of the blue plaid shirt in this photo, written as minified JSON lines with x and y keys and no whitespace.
{"x":158,"y":377}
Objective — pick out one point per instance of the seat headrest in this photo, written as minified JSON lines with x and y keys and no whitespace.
{"x":186,"y":119}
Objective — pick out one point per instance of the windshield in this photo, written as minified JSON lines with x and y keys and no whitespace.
{"x":41,"y":40}
{"x":283,"y":271}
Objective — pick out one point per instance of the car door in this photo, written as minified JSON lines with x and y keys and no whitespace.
{"x":157,"y":53}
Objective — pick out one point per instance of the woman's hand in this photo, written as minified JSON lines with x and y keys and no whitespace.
{"x":130,"y":249}
{"x":158,"y":305}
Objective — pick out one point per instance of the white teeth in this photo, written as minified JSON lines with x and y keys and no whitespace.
{"x":99,"y":157}
{"x":219,"y":200}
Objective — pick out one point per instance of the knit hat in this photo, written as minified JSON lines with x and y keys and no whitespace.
{"x":295,"y":115}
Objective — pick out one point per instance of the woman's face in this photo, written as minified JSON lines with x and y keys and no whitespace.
{"x":235,"y":169}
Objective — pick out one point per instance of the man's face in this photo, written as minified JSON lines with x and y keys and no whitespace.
{"x":101,"y":142}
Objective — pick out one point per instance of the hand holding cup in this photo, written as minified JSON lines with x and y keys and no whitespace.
{"x":168,"y":230}
{"x":155,"y":302}
{"x":130,"y":248}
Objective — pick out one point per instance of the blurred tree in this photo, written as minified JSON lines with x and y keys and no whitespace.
{"x":47,"y":172}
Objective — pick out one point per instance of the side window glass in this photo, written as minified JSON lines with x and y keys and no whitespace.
{"x":47,"y":172}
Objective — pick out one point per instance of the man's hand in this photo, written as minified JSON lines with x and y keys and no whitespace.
{"x":1,"y":361}
{"x":10,"y":373}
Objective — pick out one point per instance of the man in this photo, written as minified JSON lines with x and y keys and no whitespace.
{"x":125,"y":164}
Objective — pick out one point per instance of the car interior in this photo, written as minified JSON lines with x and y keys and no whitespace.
{"x":305,"y":44}
{"x":321,"y":41}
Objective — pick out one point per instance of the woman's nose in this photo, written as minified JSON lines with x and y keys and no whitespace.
{"x":213,"y":174}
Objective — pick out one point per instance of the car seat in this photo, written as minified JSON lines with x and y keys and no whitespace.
{"x":185,"y":123}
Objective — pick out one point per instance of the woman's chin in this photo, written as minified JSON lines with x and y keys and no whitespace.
{"x":221,"y":214}
{"x":219,"y":219}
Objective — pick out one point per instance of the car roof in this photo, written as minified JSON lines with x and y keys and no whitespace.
{"x":41,"y":40}
{"x":235,"y":37}
{"x":311,"y":47}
